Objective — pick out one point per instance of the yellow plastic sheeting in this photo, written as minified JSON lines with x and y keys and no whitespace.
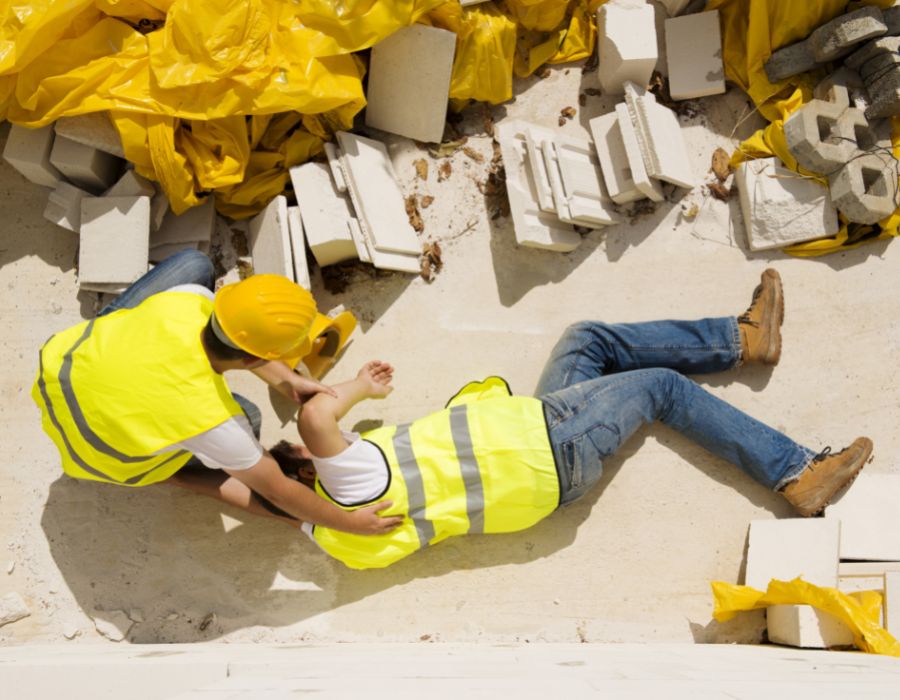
{"x":751,"y":31}
{"x":859,"y":611}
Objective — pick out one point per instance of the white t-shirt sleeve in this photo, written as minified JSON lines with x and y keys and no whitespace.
{"x":193,"y":289}
{"x":230,"y":445}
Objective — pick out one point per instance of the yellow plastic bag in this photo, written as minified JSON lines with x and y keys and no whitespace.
{"x":859,"y":611}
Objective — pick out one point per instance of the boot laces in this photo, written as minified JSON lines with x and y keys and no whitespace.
{"x":745,"y":317}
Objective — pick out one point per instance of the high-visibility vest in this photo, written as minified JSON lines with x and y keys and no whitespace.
{"x":117,"y":391}
{"x":484,"y":464}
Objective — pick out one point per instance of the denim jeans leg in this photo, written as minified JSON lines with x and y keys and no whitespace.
{"x":251,"y":410}
{"x":589,"y":421}
{"x":185,"y":267}
{"x":592,"y":349}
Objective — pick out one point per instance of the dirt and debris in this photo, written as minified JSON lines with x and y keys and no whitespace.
{"x":412,"y":213}
{"x":207,"y":620}
{"x":431,"y":260}
{"x":339,"y":277}
{"x":593,"y":92}
{"x":245,"y":268}
{"x":487,"y":120}
{"x":444,"y":171}
{"x":582,"y":99}
{"x":494,"y":186}
{"x":473,"y":154}
{"x":447,"y":148}
{"x":425,"y":201}
{"x":590,"y":65}
{"x":721,"y":166}
{"x":719,"y":191}
{"x":544,"y":73}
{"x":640,"y":209}
{"x":421,"y":168}
{"x":565,"y":114}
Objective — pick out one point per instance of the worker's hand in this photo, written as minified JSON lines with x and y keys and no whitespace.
{"x":376,"y":377}
{"x":300,"y":389}
{"x":367,"y":521}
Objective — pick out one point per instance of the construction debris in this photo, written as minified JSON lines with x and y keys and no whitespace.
{"x":28,"y":151}
{"x":626,"y":34}
{"x":12,"y":608}
{"x":112,"y":624}
{"x":421,"y":168}
{"x":694,"y":56}
{"x":445,"y":169}
{"x":431,"y":261}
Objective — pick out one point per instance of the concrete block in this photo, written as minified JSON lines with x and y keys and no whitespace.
{"x":867,"y":568}
{"x":409,"y":82}
{"x":855,"y":584}
{"x":870,"y":521}
{"x":28,"y":151}
{"x":384,"y":260}
{"x":270,"y":240}
{"x":533,"y":227}
{"x":84,"y":166}
{"x":196,"y":224}
{"x":131,"y":185}
{"x":807,"y":627}
{"x":334,"y":163}
{"x":781,"y":207}
{"x":789,"y":60}
{"x":838,"y":37}
{"x":642,"y":180}
{"x":891,"y":17}
{"x":865,"y":190}
{"x":613,"y":159}
{"x":359,"y":240}
{"x":786,"y":549}
{"x":836,"y":87}
{"x":534,"y":137}
{"x":627,"y":45}
{"x":161,"y":252}
{"x":64,"y":206}
{"x":871,"y":49}
{"x":159,"y":207}
{"x":820,"y":137}
{"x":885,"y":96}
{"x":874,"y":68}
{"x":95,"y":130}
{"x":892,"y":603}
{"x":674,"y":7}
{"x":376,"y":196}
{"x":115,"y":233}
{"x":324,"y":213}
{"x":298,"y":247}
{"x":869,"y":136}
{"x":695,"y":66}
{"x":578,"y":188}
{"x":660,"y":138}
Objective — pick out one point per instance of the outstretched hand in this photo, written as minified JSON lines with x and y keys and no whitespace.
{"x":376,"y":376}
{"x":300,"y":389}
{"x":367,"y":521}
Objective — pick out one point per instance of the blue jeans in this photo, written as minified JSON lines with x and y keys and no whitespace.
{"x":185,"y":267}
{"x":603,"y":381}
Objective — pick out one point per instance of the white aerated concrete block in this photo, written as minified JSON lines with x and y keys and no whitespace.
{"x":94,"y":130}
{"x":892,"y":603}
{"x":647,"y":186}
{"x":270,"y":240}
{"x":64,"y":206}
{"x":869,"y":512}
{"x":86,"y":167}
{"x":324,"y":213}
{"x":334,"y":162}
{"x":534,"y":228}
{"x":409,"y":82}
{"x":131,"y":185}
{"x":785,"y":549}
{"x":578,"y":189}
{"x":613,"y":159}
{"x":807,"y":627}
{"x":694,"y":56}
{"x":298,"y":247}
{"x":534,"y":137}
{"x":115,"y":233}
{"x":626,"y":36}
{"x":399,"y":262}
{"x":159,"y":207}
{"x":28,"y":151}
{"x":781,"y":207}
{"x":196,"y":224}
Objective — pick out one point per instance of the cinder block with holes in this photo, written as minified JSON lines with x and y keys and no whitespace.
{"x":819,"y":137}
{"x":865,"y":190}
{"x":626,"y":43}
{"x":835,"y":88}
{"x":838,"y":37}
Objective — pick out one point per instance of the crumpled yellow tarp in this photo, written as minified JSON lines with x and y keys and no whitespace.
{"x":859,"y":611}
{"x":751,"y":31}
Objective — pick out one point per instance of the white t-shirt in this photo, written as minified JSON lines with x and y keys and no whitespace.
{"x":229,"y":445}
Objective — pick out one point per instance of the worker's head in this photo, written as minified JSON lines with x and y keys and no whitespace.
{"x":264,"y":317}
{"x":295,"y":461}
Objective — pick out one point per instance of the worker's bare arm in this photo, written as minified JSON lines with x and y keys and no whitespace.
{"x":286,"y":381}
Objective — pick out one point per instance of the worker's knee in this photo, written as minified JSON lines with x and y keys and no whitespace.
{"x":196,"y":267}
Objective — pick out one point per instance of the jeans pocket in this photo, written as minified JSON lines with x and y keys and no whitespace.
{"x":572,"y":461}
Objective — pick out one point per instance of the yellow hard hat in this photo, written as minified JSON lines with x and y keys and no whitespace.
{"x":266,"y":315}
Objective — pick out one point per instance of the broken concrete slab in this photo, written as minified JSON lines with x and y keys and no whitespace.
{"x":838,"y":37}
{"x":613,"y":159}
{"x":95,"y":130}
{"x":334,"y":162}
{"x":84,"y":166}
{"x":115,"y":234}
{"x":781,"y":207}
{"x":871,"y":49}
{"x":869,"y":520}
{"x":13,"y":608}
{"x":298,"y":247}
{"x":788,"y":61}
{"x":627,"y":44}
{"x":865,"y":190}
{"x":885,"y":96}
{"x":270,"y":240}
{"x":28,"y":151}
{"x":820,"y":136}
{"x":642,"y":181}
{"x":324,"y":213}
{"x":196,"y":224}
{"x":694,"y":56}
{"x":409,"y":82}
{"x":578,"y":189}
{"x":131,"y":185}
{"x":375,"y":194}
{"x":64,"y":206}
{"x":533,"y":228}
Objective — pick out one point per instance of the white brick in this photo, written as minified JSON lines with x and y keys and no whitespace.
{"x":659,"y":136}
{"x":64,"y":206}
{"x":270,"y":240}
{"x":870,"y":519}
{"x":781,"y":207}
{"x":409,"y":82}
{"x":167,"y":250}
{"x":578,"y":190}
{"x":334,"y":163}
{"x":196,"y":224}
{"x":131,"y":185}
{"x":324,"y":213}
{"x":114,"y":239}
{"x":642,"y":180}
{"x":86,"y":167}
{"x":613,"y":159}
{"x":694,"y":56}
{"x":376,"y":195}
{"x":785,"y":549}
{"x":626,"y":35}
{"x":28,"y":151}
{"x":94,"y":130}
{"x":892,"y":603}
{"x":533,"y":227}
{"x":807,"y":627}
{"x":867,"y":568}
{"x":298,"y":247}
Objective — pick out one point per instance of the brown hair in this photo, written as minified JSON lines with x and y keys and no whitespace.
{"x":294,"y":467}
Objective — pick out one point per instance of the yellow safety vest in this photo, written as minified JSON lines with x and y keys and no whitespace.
{"x":484,"y":464}
{"x":116,"y":391}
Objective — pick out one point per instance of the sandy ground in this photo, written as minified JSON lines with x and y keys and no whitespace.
{"x":631,"y":562}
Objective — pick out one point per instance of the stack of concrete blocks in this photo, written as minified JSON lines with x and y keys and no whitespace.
{"x":878,"y":65}
{"x":829,"y":137}
{"x":192,"y":229}
{"x":694,"y":56}
{"x":626,"y":44}
{"x":787,"y":549}
{"x":409,"y":82}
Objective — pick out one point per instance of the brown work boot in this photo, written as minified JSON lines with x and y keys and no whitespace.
{"x":826,"y":475}
{"x":760,"y":325}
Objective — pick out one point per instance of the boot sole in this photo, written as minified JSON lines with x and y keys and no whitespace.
{"x":773,"y":352}
{"x":864,"y":460}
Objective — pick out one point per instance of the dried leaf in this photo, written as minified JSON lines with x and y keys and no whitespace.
{"x":544,"y":73}
{"x":593,"y":92}
{"x":431,"y":260}
{"x":421,"y":168}
{"x":412,"y":212}
{"x":425,"y":201}
{"x":561,"y":121}
{"x":568,"y":112}
{"x":245,"y":268}
{"x":720,"y":164}
{"x":447,"y":148}
{"x":444,"y":170}
{"x":719,"y":191}
{"x":473,"y":154}
{"x":582,"y":99}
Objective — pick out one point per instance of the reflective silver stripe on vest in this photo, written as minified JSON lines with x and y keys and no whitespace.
{"x":468,"y":465}
{"x":415,"y":489}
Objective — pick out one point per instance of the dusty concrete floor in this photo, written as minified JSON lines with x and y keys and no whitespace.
{"x":631,"y":562}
